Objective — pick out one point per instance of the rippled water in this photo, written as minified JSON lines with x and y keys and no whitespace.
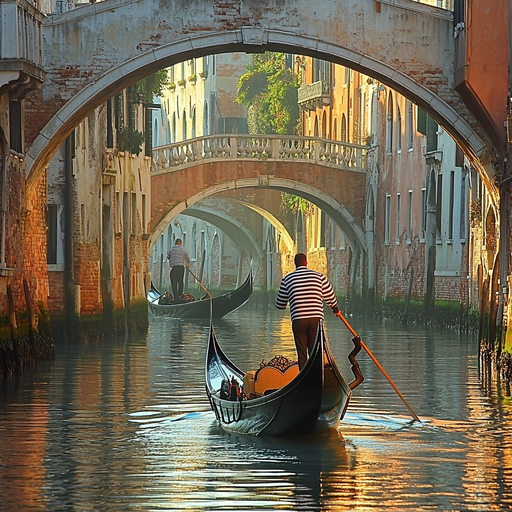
{"x":125,"y":425}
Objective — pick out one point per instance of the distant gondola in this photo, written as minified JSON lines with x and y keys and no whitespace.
{"x":311,"y":401}
{"x":221,"y":305}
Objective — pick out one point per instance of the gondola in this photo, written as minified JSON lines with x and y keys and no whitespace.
{"x":313,"y":400}
{"x":221,"y":305}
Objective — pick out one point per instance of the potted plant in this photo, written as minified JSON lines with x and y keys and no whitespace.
{"x":192,"y":79}
{"x":182,"y":82}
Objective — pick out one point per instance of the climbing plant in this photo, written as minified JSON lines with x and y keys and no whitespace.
{"x":152,"y":85}
{"x":295,"y":204}
{"x":269,"y":91}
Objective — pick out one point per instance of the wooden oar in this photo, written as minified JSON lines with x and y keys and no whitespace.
{"x":200,"y":284}
{"x":379,"y":366}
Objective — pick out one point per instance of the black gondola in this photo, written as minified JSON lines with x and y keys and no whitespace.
{"x":314,"y":401}
{"x":221,"y":304}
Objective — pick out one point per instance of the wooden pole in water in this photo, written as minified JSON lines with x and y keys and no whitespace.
{"x":14,"y":328}
{"x":379,"y":366}
{"x":30,"y":312}
{"x":200,"y":284}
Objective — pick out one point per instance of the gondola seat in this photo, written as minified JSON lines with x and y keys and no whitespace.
{"x":271,"y":375}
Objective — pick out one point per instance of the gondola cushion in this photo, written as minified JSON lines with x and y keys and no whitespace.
{"x":270,"y":378}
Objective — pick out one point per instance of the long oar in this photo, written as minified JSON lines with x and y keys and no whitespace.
{"x":379,"y":366}
{"x":200,"y":284}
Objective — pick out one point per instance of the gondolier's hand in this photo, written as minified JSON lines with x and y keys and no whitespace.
{"x":336,"y":310}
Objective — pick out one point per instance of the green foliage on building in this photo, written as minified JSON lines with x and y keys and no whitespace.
{"x":269,"y":91}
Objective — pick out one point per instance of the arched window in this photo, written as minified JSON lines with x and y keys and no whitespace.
{"x":335,"y":129}
{"x":193,"y":243}
{"x":173,"y":131}
{"x":155,"y":133}
{"x":184,"y":126}
{"x":343,"y":134}
{"x":410,"y":125}
{"x":389,"y":125}
{"x":324,"y":126}
{"x":194,"y":123}
{"x":399,"y":129}
{"x":315,"y":133}
{"x":205,"y":119}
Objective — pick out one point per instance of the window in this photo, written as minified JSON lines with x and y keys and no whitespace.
{"x":399,"y":128}
{"x":397,"y":239}
{"x":439,"y":206}
{"x":15,"y":126}
{"x":410,"y":126}
{"x":134,"y":214}
{"x":193,"y":243}
{"x":452,"y":199}
{"x":118,"y":212}
{"x":389,"y":126}
{"x":463,"y":195}
{"x":143,"y":213}
{"x":194,"y":123}
{"x":205,"y":119}
{"x":423,"y":227}
{"x":387,"y":220}
{"x":169,"y":237}
{"x":52,"y":234}
{"x":82,"y":222}
{"x":184,"y":126}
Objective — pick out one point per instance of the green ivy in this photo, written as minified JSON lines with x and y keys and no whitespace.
{"x":130,"y":140}
{"x":152,"y":85}
{"x":295,"y":204}
{"x":269,"y":91}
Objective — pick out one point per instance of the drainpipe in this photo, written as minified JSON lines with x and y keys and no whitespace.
{"x":68,"y":232}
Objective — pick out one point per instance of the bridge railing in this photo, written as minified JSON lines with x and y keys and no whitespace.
{"x":331,"y":153}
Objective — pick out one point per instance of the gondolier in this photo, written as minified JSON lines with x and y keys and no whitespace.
{"x":306,"y":291}
{"x":178,"y":259}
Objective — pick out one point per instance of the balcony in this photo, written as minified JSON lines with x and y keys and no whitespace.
{"x":21,"y":47}
{"x":312,"y":96}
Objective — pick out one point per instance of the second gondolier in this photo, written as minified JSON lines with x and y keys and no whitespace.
{"x":178,"y":259}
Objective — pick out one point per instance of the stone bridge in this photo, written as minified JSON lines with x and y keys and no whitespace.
{"x":92,"y":52}
{"x":328,"y":173}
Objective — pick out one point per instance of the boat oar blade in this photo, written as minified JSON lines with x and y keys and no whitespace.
{"x":379,"y":366}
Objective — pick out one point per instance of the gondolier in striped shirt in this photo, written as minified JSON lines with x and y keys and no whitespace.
{"x":178,"y":259}
{"x":306,"y":290}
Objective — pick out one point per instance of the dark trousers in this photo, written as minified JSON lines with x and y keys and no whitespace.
{"x":177,"y":274}
{"x":304,"y":333}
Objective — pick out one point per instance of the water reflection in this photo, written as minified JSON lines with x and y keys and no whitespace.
{"x":119,"y":425}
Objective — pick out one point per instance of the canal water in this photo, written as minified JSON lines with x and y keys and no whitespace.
{"x":119,"y":425}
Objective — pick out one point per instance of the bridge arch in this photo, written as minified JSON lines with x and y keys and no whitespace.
{"x":336,"y":210}
{"x":272,"y":30}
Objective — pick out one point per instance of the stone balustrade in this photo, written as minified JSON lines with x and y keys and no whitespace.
{"x":346,"y":156}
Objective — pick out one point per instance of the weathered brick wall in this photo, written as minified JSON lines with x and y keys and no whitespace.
{"x":57,"y":293}
{"x":25,"y":247}
{"x":87,"y":275}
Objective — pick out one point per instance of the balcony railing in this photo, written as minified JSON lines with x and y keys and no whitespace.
{"x":21,"y":43}
{"x":330,"y":153}
{"x":313,"y":95}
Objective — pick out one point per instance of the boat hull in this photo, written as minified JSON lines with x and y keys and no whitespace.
{"x":219,"y":306}
{"x":312,"y":403}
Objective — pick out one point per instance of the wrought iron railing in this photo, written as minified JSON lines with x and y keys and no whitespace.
{"x":331,"y":153}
